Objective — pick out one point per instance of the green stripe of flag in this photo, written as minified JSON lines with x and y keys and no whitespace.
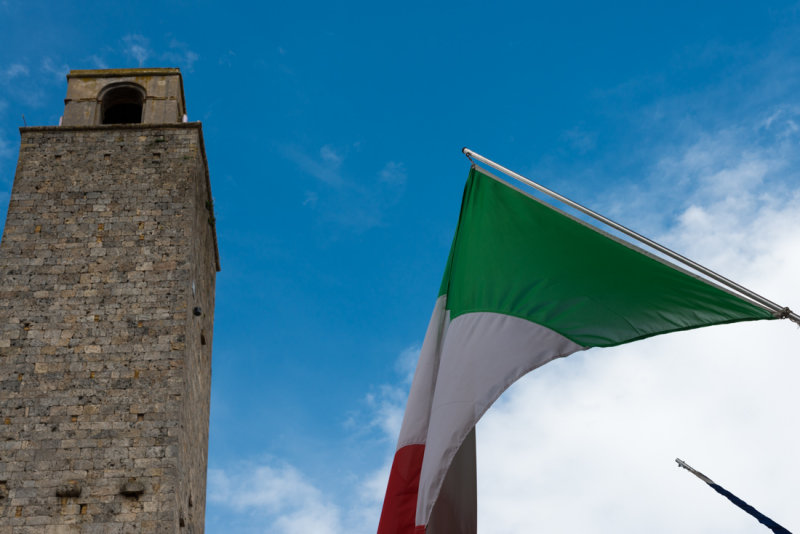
{"x":515,"y":255}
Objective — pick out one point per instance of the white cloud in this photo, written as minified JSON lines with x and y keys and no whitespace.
{"x":370,"y":497}
{"x":587,"y":444}
{"x":180,"y":55}
{"x":385,"y":404}
{"x":387,"y":407}
{"x":782,"y":121}
{"x":227,"y":59}
{"x":137,"y":47}
{"x":15,"y":70}
{"x":406,"y":364}
{"x":311,"y":199}
{"x":98,"y":62}
{"x":324,"y":168}
{"x":580,"y":140}
{"x":393,"y":174}
{"x":330,"y":156}
{"x":19,"y":86}
{"x":56,"y":72}
{"x":277,"y":494}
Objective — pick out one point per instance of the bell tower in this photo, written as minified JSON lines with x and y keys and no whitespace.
{"x":107,"y":271}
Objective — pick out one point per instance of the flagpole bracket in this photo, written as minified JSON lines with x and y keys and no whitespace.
{"x":787,"y":313}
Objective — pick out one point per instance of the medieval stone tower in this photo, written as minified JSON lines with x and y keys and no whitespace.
{"x":107,"y":270}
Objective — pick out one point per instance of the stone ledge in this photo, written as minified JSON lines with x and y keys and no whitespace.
{"x":133,"y":126}
{"x":106,"y":73}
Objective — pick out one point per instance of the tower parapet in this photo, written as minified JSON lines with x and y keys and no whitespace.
{"x":124,"y":96}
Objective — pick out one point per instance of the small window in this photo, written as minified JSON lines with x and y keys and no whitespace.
{"x":123,"y":105}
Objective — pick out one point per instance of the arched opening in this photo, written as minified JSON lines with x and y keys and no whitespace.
{"x":122,"y":104}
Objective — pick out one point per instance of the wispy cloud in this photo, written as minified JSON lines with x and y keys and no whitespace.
{"x":782,"y":123}
{"x":393,"y":174}
{"x":98,"y":62}
{"x":137,"y":47}
{"x":311,"y":199}
{"x":15,"y":70}
{"x":406,"y":364}
{"x":354,"y":202}
{"x":324,"y":166}
{"x":330,"y":156}
{"x":580,"y":139}
{"x":21,"y":87}
{"x":384,"y":405}
{"x":180,"y":55}
{"x":31,"y":82}
{"x":227,"y":58}
{"x":56,"y":72}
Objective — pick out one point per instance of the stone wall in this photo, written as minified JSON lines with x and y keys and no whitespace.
{"x":193,"y":455}
{"x":108,"y":248}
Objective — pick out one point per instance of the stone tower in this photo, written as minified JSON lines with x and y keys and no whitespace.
{"x":107,"y":270}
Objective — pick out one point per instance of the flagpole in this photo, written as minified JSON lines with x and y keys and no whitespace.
{"x":777,"y":310}
{"x":761,"y":518}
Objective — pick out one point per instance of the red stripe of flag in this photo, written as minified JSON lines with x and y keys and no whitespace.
{"x":400,"y":504}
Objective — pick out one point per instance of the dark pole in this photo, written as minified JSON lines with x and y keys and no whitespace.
{"x":764,"y":520}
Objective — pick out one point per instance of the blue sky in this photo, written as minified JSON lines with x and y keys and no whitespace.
{"x":333,"y":134}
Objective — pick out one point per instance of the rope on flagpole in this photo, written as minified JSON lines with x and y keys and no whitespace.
{"x":776,"y":309}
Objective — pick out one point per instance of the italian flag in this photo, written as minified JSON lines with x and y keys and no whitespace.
{"x":524,"y":284}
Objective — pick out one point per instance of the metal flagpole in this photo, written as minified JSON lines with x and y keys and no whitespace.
{"x":776,"y":309}
{"x":764,"y":520}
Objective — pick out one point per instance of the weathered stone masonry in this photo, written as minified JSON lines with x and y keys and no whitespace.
{"x":107,"y":271}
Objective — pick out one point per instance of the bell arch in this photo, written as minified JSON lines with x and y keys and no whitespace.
{"x":122,"y":103}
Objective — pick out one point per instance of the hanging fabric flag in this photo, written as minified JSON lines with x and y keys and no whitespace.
{"x":764,"y":520}
{"x":524,"y":284}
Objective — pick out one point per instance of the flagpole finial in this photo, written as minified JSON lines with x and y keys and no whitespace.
{"x":693,"y":471}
